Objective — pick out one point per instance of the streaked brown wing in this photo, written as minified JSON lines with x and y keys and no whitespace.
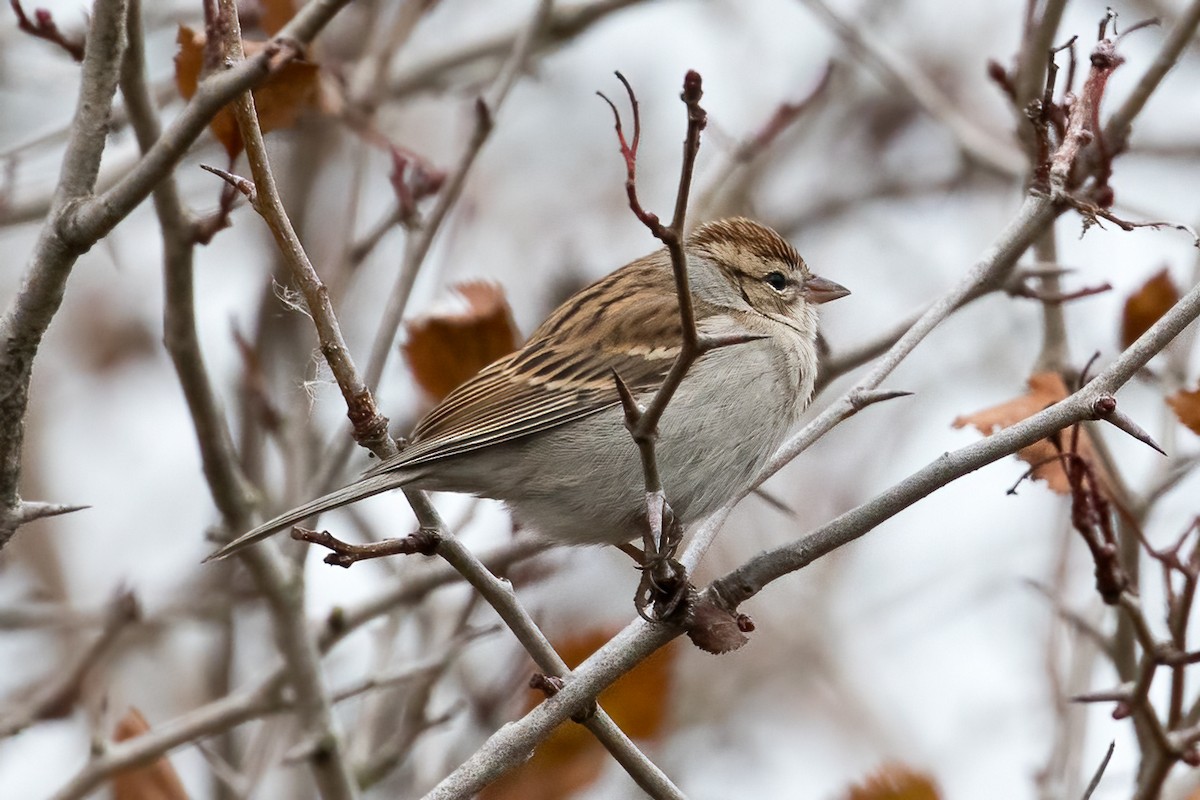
{"x":531,"y":390}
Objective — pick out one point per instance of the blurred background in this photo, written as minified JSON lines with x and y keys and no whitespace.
{"x":922,"y":649}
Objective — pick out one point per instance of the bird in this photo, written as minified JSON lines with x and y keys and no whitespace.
{"x":543,"y":428}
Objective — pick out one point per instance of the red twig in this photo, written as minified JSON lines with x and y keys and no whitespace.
{"x":629,"y":152}
{"x":43,"y":26}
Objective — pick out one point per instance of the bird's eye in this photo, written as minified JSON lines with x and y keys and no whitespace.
{"x":776,"y":280}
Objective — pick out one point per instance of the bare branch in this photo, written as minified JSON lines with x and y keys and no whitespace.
{"x":976,"y":142}
{"x":60,"y":692}
{"x":28,"y":315}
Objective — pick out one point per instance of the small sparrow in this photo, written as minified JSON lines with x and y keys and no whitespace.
{"x":543,"y":429}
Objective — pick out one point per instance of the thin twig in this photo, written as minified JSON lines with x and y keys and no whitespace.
{"x":975,"y":141}
{"x":255,"y":701}
{"x":59,"y":693}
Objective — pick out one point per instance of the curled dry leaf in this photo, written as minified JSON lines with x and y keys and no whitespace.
{"x":290,"y":91}
{"x":895,"y":782}
{"x":1146,"y":305}
{"x":445,"y":349}
{"x":1045,"y":389}
{"x":571,"y":758}
{"x":155,"y":781}
{"x":1186,"y":405}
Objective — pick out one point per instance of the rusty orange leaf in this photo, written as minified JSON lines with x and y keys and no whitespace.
{"x":445,"y":349}
{"x":1186,"y":405}
{"x":1146,"y":305}
{"x":895,"y":782}
{"x":1045,"y":389}
{"x":290,"y":91}
{"x":154,"y":781}
{"x":276,"y":14}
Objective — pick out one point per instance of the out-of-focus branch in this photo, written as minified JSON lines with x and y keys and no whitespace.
{"x":422,"y":232}
{"x":58,"y":694}
{"x":97,"y":216}
{"x":255,"y":701}
{"x":735,"y":174}
{"x":229,"y":489}
{"x":324,"y":751}
{"x":851,"y":358}
{"x":43,"y":26}
{"x":976,"y":142}
{"x":1116,"y":131}
{"x":561,"y":26}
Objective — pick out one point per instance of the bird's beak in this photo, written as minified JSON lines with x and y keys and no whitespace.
{"x":822,"y":290}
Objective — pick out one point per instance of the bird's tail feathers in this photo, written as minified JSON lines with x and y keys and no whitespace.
{"x":360,"y":489}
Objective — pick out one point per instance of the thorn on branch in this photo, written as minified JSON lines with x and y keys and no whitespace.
{"x":1094,"y":783}
{"x":243,"y":185}
{"x":1120,"y":694}
{"x":28,"y":511}
{"x":1105,"y":409}
{"x":633,"y":411}
{"x":204,"y":230}
{"x":867,"y":397}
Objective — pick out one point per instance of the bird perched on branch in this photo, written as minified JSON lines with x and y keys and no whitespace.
{"x":543,"y":429}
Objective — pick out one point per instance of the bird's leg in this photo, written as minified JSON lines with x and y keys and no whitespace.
{"x":664,"y":584}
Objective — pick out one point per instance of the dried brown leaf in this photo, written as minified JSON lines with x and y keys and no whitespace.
{"x":1186,"y":405}
{"x":155,"y":781}
{"x":895,"y":782}
{"x":1045,"y":389}
{"x":290,"y":91}
{"x":445,"y":349}
{"x":1146,"y":305}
